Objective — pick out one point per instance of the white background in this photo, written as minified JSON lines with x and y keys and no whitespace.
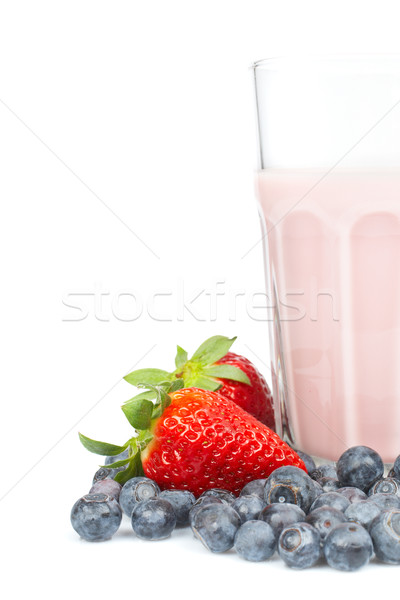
{"x":127,"y":150}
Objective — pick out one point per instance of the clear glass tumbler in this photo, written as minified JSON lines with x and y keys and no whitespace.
{"x":328,"y":188}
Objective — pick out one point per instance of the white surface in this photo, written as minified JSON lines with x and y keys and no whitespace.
{"x":149,"y":105}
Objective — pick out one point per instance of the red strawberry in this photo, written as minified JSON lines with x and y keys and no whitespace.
{"x":255,"y":398}
{"x":196,"y":439}
{"x":213,"y":367}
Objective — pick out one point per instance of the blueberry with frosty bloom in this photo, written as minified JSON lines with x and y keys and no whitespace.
{"x":359,"y":466}
{"x":182,"y":501}
{"x":348,"y":547}
{"x":255,"y":541}
{"x":300,"y":545}
{"x":96,"y":517}
{"x":215,"y":525}
{"x":153,"y":519}
{"x":248,"y":507}
{"x":255,"y":487}
{"x":290,"y":485}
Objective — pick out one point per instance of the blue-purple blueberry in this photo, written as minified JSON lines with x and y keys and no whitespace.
{"x":395,"y":470}
{"x":327,"y":470}
{"x":385,"y":534}
{"x":153,"y":519}
{"x":202,"y":501}
{"x":362,"y":512}
{"x":353,"y":494}
{"x":96,"y":517}
{"x":385,"y":501}
{"x":215,"y":525}
{"x":307,"y":460}
{"x":290,"y":485}
{"x":324,"y":519}
{"x":386,"y":485}
{"x":182,"y":501}
{"x":255,"y":487}
{"x":109,"y":487}
{"x":255,"y":541}
{"x":280,"y":516}
{"x":359,"y":466}
{"x":248,"y":507}
{"x":219,"y":493}
{"x":332,"y":499}
{"x":104,"y":473}
{"x":348,"y":547}
{"x":137,"y":490}
{"x":299,"y":546}
{"x":329,"y":484}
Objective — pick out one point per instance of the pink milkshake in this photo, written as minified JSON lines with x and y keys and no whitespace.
{"x":333,"y":253}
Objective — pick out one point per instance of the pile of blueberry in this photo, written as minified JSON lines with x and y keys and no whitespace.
{"x":343,"y":514}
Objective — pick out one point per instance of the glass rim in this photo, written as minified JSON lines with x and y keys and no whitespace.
{"x":338,"y":59}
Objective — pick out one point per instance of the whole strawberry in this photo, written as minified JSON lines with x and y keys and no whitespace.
{"x":196,"y":439}
{"x":212,"y":367}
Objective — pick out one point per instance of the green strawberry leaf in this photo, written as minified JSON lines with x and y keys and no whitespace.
{"x":147,"y":376}
{"x":134,"y":469}
{"x":212,"y":350}
{"x":205,"y":383}
{"x":101,"y":447}
{"x":149,"y":395}
{"x":143,"y":439}
{"x":227,"y":372}
{"x":181,"y":357}
{"x":138,"y":411}
{"x":178,"y":384}
{"x":163,"y":400}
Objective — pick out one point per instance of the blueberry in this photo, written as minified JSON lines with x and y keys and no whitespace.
{"x":348,"y":547}
{"x":216,"y":525}
{"x":353,"y":494}
{"x":386,"y":485}
{"x":153,"y":519}
{"x":329,"y":484}
{"x":248,"y":507}
{"x":299,"y":545}
{"x":182,"y":501}
{"x":108,"y":487}
{"x":360,"y":467}
{"x":328,"y":470}
{"x":318,"y":488}
{"x":255,"y":487}
{"x":396,"y":468}
{"x":136,"y":490}
{"x":385,"y":501}
{"x":104,"y":473}
{"x":220,"y":493}
{"x":362,"y":512}
{"x":202,"y":501}
{"x":307,"y":460}
{"x":96,"y":517}
{"x":385,"y":534}
{"x":112,"y":459}
{"x":324,"y":519}
{"x":280,"y":516}
{"x":255,"y":541}
{"x":332,"y":499}
{"x":290,"y":484}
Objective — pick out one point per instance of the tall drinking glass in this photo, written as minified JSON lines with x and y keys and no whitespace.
{"x":328,"y":188}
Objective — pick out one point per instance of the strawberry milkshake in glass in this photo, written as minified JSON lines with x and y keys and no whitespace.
{"x":328,"y":188}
